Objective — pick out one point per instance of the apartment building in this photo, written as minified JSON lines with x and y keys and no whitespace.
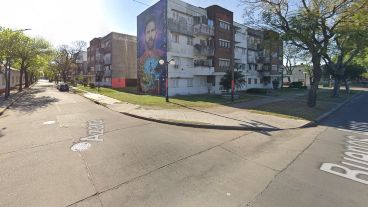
{"x":113,"y":61}
{"x":205,"y":43}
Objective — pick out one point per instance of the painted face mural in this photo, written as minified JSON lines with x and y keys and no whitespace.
{"x":152,"y":48}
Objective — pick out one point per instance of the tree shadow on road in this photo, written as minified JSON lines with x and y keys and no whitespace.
{"x":30,"y":102}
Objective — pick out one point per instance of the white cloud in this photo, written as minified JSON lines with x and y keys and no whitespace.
{"x":59,"y":21}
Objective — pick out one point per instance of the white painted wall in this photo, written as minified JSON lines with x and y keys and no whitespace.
{"x":14,"y":79}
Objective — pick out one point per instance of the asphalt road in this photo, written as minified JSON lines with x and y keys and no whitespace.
{"x":130,"y":162}
{"x":318,"y":177}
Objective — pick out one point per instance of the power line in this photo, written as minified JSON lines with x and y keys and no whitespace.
{"x":141,"y":3}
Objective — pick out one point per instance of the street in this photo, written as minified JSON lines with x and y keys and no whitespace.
{"x":130,"y":162}
{"x":305,"y":184}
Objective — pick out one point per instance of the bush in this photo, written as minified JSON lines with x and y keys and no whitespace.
{"x":257,"y":90}
{"x":92,"y":85}
{"x":297,"y":84}
{"x":303,"y":87}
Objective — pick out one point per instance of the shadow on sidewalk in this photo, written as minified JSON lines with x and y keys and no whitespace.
{"x":243,"y":123}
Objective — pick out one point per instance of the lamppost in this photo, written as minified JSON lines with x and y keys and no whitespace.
{"x":166,"y":63}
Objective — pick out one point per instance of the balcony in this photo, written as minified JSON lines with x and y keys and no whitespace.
{"x":203,"y":50}
{"x":239,"y":38}
{"x":199,"y":62}
{"x":107,"y":73}
{"x":180,"y":26}
{"x":203,"y":70}
{"x":202,"y":29}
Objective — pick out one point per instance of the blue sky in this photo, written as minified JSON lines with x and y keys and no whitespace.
{"x":64,"y":21}
{"x":126,"y":21}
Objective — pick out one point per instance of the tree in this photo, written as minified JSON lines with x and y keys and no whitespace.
{"x":66,"y":58}
{"x":292,"y":57}
{"x":239,"y":80}
{"x":9,"y":45}
{"x":308,"y":24}
{"x":350,"y":41}
{"x":31,"y":52}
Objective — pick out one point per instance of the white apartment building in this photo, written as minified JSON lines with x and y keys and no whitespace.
{"x":205,"y":43}
{"x":189,"y":44}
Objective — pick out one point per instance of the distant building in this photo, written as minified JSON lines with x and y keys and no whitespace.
{"x":299,"y":74}
{"x":112,"y":60}
{"x":205,"y":43}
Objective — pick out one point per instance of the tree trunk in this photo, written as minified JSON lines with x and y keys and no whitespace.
{"x":8,"y":85}
{"x":336,"y":89}
{"x":21,"y":80}
{"x":347,"y":87}
{"x":312,"y":94}
{"x":26,"y":81}
{"x":64,"y":77}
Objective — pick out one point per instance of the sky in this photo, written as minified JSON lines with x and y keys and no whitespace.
{"x":65,"y":21}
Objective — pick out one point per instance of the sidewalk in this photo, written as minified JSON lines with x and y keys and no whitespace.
{"x":6,"y":103}
{"x":222,"y":117}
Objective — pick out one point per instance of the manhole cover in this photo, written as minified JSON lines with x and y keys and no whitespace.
{"x":80,"y":146}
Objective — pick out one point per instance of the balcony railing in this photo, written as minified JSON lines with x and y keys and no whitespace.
{"x":180,"y":26}
{"x":203,"y":70}
{"x":202,"y":29}
{"x":203,"y":50}
{"x":205,"y":63}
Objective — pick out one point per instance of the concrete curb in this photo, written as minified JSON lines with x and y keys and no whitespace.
{"x":183,"y":124}
{"x":318,"y":120}
{"x":202,"y":126}
{"x":18,"y":95}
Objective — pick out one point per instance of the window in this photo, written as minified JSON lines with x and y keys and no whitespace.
{"x":190,"y":82}
{"x":224,"y":25}
{"x":176,"y":15}
{"x":176,"y":38}
{"x":224,"y":63}
{"x":224,"y":43}
{"x":189,"y":41}
{"x":249,"y":81}
{"x":255,"y":81}
{"x":210,"y":22}
{"x":175,"y":83}
{"x":244,"y":51}
{"x":203,"y":82}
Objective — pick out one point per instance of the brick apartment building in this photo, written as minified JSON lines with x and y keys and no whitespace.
{"x":205,"y":43}
{"x":112,"y":60}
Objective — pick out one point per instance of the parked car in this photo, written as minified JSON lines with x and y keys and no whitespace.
{"x":63,"y":87}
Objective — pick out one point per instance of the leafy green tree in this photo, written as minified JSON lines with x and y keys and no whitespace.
{"x":239,"y":80}
{"x":350,"y":41}
{"x":9,"y":45}
{"x":308,"y":24}
{"x":32,"y":54}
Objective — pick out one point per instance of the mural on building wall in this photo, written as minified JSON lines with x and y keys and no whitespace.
{"x":151,"y":48}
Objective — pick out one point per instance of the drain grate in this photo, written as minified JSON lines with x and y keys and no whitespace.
{"x":80,"y":146}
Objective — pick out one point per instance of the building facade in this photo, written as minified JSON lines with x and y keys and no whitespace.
{"x":112,"y":60}
{"x":205,"y":43}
